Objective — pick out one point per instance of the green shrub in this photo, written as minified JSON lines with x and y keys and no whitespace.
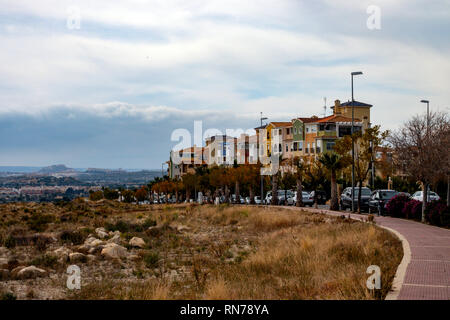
{"x":151,"y":259}
{"x":149,"y":222}
{"x":38,"y":222}
{"x":45,"y":260}
{"x":8,"y":296}
{"x":10,"y":242}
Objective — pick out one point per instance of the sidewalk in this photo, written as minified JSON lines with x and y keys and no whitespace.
{"x":424,"y":273}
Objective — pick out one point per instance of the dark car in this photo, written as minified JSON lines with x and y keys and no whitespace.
{"x":321,"y":196}
{"x":346,"y":198}
{"x":379,"y":199}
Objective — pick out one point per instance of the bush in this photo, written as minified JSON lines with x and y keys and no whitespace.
{"x":438,"y":213}
{"x":46,"y":260}
{"x":75,"y":237}
{"x":395,"y":206}
{"x":38,"y":222}
{"x":413,"y":210}
{"x":111,"y":194}
{"x":95,"y":196}
{"x":151,"y":259}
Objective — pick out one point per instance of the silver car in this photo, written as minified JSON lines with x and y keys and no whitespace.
{"x":306,"y":197}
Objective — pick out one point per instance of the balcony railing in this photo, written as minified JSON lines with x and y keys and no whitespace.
{"x":327,"y":133}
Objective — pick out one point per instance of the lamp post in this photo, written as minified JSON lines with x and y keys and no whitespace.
{"x":262,"y":178}
{"x":353,"y":142}
{"x":425,"y":201}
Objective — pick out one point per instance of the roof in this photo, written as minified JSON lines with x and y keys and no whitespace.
{"x":337,"y":118}
{"x":261,"y":127}
{"x":281,"y":124}
{"x":306,"y":120}
{"x":357,"y":104}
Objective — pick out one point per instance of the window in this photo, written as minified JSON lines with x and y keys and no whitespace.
{"x":295,"y":146}
{"x":307,"y":129}
{"x":313,"y":147}
{"x":280,"y":132}
{"x":330,"y":145}
{"x":279,"y":148}
{"x":295,"y":130}
{"x":300,"y":146}
{"x":307,"y":148}
{"x":287,"y":147}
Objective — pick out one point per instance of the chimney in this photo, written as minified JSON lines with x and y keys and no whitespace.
{"x":337,"y":107}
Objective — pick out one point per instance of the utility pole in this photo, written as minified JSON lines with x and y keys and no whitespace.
{"x":353,"y":143}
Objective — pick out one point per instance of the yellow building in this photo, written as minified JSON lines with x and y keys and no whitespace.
{"x":361,"y":111}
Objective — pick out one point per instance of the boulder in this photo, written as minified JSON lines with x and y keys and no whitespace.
{"x":134,"y":257}
{"x":115,"y":239}
{"x":91,"y":258}
{"x":137,"y":242}
{"x":30,"y":272}
{"x":182,"y":228}
{"x":114,"y":251}
{"x":101,"y":233}
{"x":84,"y":248}
{"x":3,"y":262}
{"x":77,"y":257}
{"x":4,"y":274}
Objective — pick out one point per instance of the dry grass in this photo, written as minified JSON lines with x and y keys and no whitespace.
{"x":255,"y":253}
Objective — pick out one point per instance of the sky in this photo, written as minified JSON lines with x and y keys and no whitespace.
{"x":105,"y":83}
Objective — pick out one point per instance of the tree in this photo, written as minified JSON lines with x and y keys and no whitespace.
{"x":95,"y":195}
{"x":315,"y":174}
{"x":275,"y":188}
{"x":365,"y":145}
{"x":141,"y":194}
{"x":421,"y":150}
{"x":128,"y":196}
{"x":333,"y":162}
{"x":299,"y":172}
{"x":251,"y":178}
{"x":111,"y":194}
{"x":190,"y":183}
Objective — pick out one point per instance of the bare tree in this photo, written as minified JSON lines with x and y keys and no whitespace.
{"x":421,"y":148}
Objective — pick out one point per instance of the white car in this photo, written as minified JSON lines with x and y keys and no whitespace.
{"x":257,"y":200}
{"x":431,"y":196}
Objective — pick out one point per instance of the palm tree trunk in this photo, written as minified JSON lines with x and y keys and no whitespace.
{"x":359,"y":196}
{"x":252,"y":195}
{"x":238,"y":195}
{"x":274,"y":189}
{"x":299,"y":202}
{"x":334,"y":205}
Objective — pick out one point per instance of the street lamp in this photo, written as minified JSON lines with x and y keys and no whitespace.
{"x":357,"y":73}
{"x":262,"y":179}
{"x":428,"y":129}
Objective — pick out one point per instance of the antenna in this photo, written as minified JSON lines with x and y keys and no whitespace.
{"x":324,"y":107}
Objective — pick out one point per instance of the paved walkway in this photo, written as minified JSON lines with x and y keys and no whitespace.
{"x":424,"y":273}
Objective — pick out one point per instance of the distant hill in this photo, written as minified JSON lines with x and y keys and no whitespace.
{"x":58,"y":168}
{"x":19,"y":169}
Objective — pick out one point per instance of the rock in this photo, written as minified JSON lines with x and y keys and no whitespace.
{"x":30,"y":272}
{"x":3,"y":251}
{"x":134,"y":257}
{"x":115,"y":239}
{"x":114,"y":251}
{"x":91,"y":258}
{"x":84,"y":248}
{"x":4,"y":274}
{"x":3,"y":262}
{"x":101,"y":233}
{"x":182,"y":228}
{"x":77,"y":257}
{"x":113,"y":233}
{"x":97,"y":242}
{"x":137,"y":242}
{"x":95,"y":250}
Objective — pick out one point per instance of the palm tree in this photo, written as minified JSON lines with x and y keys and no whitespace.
{"x":300,"y":167}
{"x":333,"y":162}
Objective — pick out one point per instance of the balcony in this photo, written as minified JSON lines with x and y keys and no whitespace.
{"x":326,"y":133}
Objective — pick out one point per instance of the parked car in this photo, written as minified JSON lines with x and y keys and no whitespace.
{"x":306,"y":197}
{"x":233,"y":199}
{"x":418,"y":195}
{"x":257,"y":200}
{"x":285,"y":197}
{"x":321,"y":196}
{"x":346,"y":198}
{"x":379,"y":199}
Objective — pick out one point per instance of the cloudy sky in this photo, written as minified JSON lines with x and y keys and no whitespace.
{"x":104,"y":83}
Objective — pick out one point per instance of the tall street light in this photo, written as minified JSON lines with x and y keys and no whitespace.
{"x":353,"y":142}
{"x":262,"y":178}
{"x":425,"y":201}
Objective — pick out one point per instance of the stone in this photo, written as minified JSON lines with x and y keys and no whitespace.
{"x":137,"y":242}
{"x":3,"y":262}
{"x":97,"y":242}
{"x":91,"y":258}
{"x":134,"y":257}
{"x":84,"y":248}
{"x":115,"y":239}
{"x":114,"y":251}
{"x":77,"y":257}
{"x":182,"y":228}
{"x":101,"y":233}
{"x":4,"y":274}
{"x":95,"y":250}
{"x":30,"y":272}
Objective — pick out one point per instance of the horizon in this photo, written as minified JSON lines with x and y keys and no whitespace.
{"x":105,"y":85}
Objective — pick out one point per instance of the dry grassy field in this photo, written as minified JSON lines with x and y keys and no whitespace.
{"x":188,"y":252}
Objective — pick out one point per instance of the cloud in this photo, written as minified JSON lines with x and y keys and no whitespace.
{"x":163,"y":64}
